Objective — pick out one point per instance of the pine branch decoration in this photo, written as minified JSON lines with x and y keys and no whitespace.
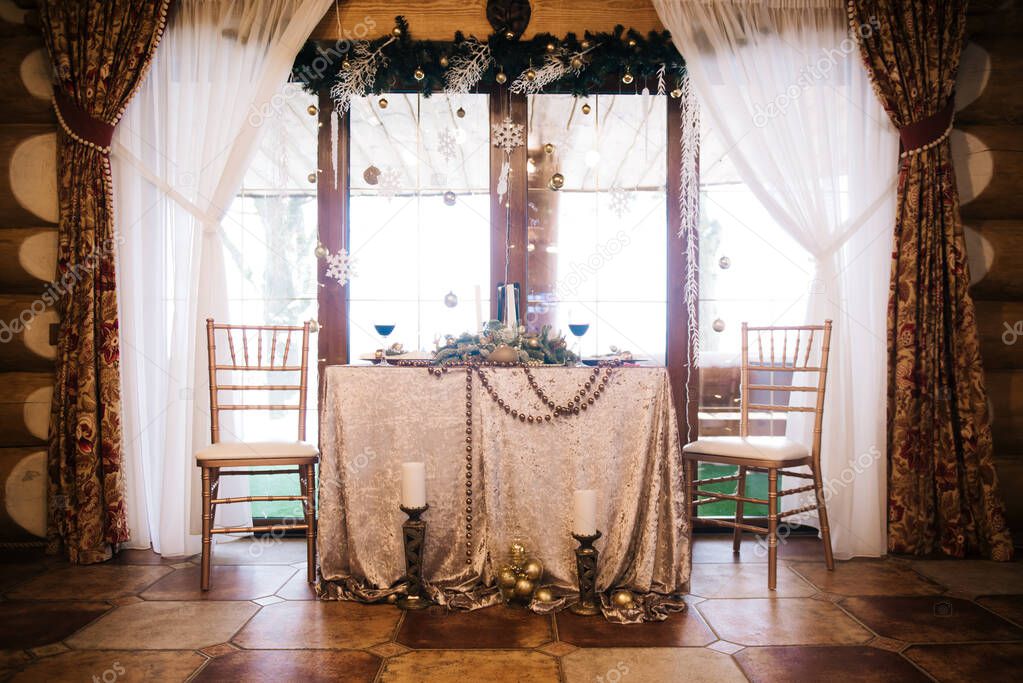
{"x":467,"y":68}
{"x":358,"y":78}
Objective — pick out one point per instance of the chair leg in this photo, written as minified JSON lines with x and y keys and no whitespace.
{"x":690,"y":469}
{"x":772,"y":528}
{"x":207,"y":525}
{"x":307,"y":478}
{"x":822,"y":518}
{"x":740,"y":490}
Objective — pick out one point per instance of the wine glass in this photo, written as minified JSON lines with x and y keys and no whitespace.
{"x":578,"y":330}
{"x":384,"y":330}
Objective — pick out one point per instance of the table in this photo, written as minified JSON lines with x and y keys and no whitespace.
{"x":626,"y":446}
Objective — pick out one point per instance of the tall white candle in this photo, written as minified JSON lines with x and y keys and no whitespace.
{"x":511,"y":318}
{"x":479,"y":309}
{"x":585,"y":507}
{"x":413,"y":484}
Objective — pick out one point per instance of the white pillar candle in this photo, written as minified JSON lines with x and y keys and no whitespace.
{"x":585,"y":506}
{"x":413,"y":484}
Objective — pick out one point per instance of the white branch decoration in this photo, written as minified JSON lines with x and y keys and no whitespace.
{"x":466,"y":70}
{"x":660,"y":80}
{"x":358,"y":78}
{"x":555,"y":67}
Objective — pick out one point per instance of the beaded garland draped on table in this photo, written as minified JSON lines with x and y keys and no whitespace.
{"x":514,"y":483}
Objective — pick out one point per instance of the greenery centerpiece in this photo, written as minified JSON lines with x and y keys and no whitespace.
{"x":542,"y":348}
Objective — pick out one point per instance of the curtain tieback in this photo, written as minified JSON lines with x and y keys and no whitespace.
{"x":80,"y":125}
{"x":928,"y":132}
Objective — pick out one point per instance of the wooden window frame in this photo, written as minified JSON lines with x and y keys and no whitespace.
{"x":335,"y":229}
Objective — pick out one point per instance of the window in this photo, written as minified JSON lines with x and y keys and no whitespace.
{"x":269,"y":238}
{"x":750,"y":270}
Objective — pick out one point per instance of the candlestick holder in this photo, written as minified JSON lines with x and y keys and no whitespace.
{"x":414,"y":538}
{"x":586,"y":566}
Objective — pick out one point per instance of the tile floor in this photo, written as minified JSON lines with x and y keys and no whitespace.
{"x":142,"y":618}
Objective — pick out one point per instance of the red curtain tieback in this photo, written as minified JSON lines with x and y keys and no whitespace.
{"x":79,"y":124}
{"x":927,"y":132}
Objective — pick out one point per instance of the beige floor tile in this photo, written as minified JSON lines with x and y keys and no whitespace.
{"x":866,"y":577}
{"x":974,"y":577}
{"x":164,"y":625}
{"x":113,"y":665}
{"x":470,"y":665}
{"x":788,"y":621}
{"x":799,"y":664}
{"x":265,"y":550}
{"x":319,"y":625}
{"x":307,"y":666}
{"x":650,"y":664}
{"x":746,"y":581}
{"x":227,"y":582}
{"x":94,"y":582}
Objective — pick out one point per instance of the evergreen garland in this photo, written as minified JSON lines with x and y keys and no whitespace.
{"x":607,"y":57}
{"x":544,"y":348}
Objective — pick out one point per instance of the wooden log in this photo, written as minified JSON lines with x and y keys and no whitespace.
{"x":28,"y":259}
{"x":439,"y":19}
{"x":25,"y":329}
{"x":28,"y":175}
{"x":25,"y":408}
{"x":22,"y":494}
{"x":999,"y":324}
{"x":1005,"y":394}
{"x":26,"y":88}
{"x":987,"y":85}
{"x":989,"y":171}
{"x":995,"y":250}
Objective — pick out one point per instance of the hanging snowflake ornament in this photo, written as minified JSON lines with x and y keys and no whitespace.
{"x":389,"y":182}
{"x":620,"y":201}
{"x":508,"y":135}
{"x":340,"y":266}
{"x":447,"y":145}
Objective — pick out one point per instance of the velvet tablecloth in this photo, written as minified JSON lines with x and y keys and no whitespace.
{"x":626,"y":446}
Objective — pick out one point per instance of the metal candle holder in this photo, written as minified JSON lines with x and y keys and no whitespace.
{"x":414,"y":536}
{"x":586,"y":566}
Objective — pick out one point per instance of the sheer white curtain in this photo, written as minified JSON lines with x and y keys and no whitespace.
{"x":781,"y":81}
{"x":179,"y":156}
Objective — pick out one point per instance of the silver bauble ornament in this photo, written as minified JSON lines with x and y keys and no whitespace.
{"x":719,"y":325}
{"x":724,"y":263}
{"x":449,"y":198}
{"x":450,"y":299}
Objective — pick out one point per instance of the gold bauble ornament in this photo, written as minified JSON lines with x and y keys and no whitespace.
{"x":632,"y":42}
{"x":557,"y":181}
{"x":382,"y":102}
{"x":586,"y":109}
{"x":443,"y":61}
{"x":320,"y":251}
{"x":504,"y":354}
{"x":550,"y":47}
{"x":627,"y":78}
{"x":533,"y":569}
{"x":524,"y":588}
{"x":392,"y":598}
{"x":396,"y":32}
{"x":623,"y":599}
{"x":507,"y":578}
{"x":345,"y":64}
{"x":577,"y":63}
{"x":548,"y":148}
{"x":313,"y":111}
{"x":530,"y":75}
{"x":533,"y":343}
{"x":543,"y":595}
{"x":418,"y":74}
{"x":676,"y":93}
{"x":510,"y":35}
{"x":311,"y":177}
{"x":585,"y":45}
{"x":500,"y":77}
{"x":460,"y":113}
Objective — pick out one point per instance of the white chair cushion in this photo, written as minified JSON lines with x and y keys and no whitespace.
{"x":242,"y":450}
{"x":753,"y":447}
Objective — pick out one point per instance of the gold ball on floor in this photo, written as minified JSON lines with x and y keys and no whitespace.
{"x":623,"y":599}
{"x":507,"y":578}
{"x":543,"y":595}
{"x":524,"y":588}
{"x":533,"y":569}
{"x":392,"y":598}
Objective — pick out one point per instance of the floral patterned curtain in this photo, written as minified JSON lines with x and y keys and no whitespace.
{"x":100,"y":52}
{"x":942,"y":486}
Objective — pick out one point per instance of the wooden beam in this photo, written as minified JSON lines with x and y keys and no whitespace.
{"x":439,"y":19}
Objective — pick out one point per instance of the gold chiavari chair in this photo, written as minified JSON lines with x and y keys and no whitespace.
{"x":264,"y":454}
{"x":771,"y":454}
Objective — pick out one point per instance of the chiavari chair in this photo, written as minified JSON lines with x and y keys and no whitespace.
{"x":778,"y":374}
{"x":276,"y":355}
